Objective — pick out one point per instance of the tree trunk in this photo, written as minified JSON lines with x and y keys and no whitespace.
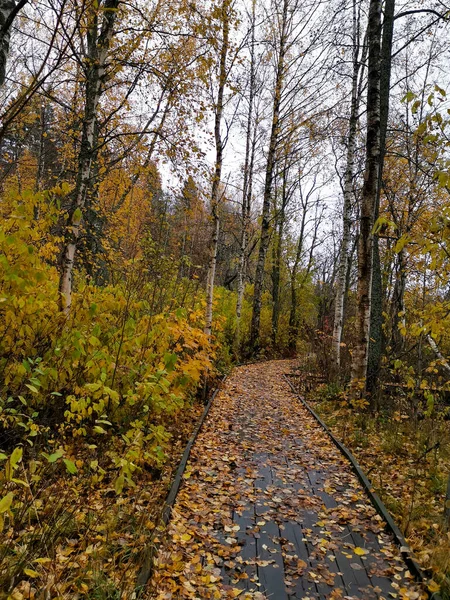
{"x":293,"y":317}
{"x":369,"y":195}
{"x":98,"y":43}
{"x":376,"y":317}
{"x":444,"y":362}
{"x":398,"y":305}
{"x":347,"y":208}
{"x":8,"y":12}
{"x":212,"y":270}
{"x":41,"y":160}
{"x":250,"y":145}
{"x":351,"y":257}
{"x":215,"y":192}
{"x":271,"y":156}
{"x":276,"y":267}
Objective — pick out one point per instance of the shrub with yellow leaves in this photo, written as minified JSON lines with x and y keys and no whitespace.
{"x":86,"y":401}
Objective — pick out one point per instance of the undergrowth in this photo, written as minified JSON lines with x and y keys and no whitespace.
{"x":405,"y":454}
{"x":95,"y":409}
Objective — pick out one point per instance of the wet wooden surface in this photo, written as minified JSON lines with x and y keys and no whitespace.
{"x":274,"y":508}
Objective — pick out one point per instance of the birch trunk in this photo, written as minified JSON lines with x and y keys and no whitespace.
{"x":369,"y":195}
{"x":348,"y":192}
{"x":215,"y":192}
{"x":247,"y":187}
{"x":444,"y":362}
{"x":212,"y":270}
{"x":98,"y":44}
{"x":271,"y":157}
{"x":398,"y":304}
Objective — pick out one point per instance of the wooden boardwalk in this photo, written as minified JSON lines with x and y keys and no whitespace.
{"x":271,"y":509}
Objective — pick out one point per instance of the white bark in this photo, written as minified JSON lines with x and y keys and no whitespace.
{"x":369,"y":192}
{"x":8,"y":11}
{"x":348,"y":189}
{"x":247,"y":187}
{"x":212,"y":273}
{"x":444,"y":362}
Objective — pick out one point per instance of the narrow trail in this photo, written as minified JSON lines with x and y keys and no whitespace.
{"x":269,"y":508}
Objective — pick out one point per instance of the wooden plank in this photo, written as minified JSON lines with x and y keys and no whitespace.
{"x":264,"y":479}
{"x":370,"y":542}
{"x":271,"y":576}
{"x":246,"y":522}
{"x":309,"y":519}
{"x":293,"y":534}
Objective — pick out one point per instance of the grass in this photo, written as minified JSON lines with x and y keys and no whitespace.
{"x":72,"y":538}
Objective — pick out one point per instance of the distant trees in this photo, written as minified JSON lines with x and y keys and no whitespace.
{"x":283,"y":24}
{"x":251,"y":136}
{"x":298,"y":41}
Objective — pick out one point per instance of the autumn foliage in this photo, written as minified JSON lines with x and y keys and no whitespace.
{"x":88,"y":402}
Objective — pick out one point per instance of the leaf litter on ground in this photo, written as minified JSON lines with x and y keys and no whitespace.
{"x":269,"y":508}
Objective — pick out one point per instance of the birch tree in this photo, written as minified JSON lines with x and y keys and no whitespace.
{"x":358,"y":52}
{"x":369,"y":192}
{"x":225,"y":18}
{"x":100,"y":29}
{"x":247,"y":186}
{"x":9,"y":10}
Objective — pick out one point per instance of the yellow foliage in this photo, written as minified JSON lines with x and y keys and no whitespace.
{"x":106,"y":374}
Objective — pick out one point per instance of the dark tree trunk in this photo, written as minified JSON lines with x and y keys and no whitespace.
{"x":376,"y":342}
{"x":276,"y":267}
{"x":98,"y":42}
{"x":293,"y":315}
{"x":271,"y":156}
{"x":8,"y":12}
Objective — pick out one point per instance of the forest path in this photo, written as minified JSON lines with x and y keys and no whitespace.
{"x":269,"y":508}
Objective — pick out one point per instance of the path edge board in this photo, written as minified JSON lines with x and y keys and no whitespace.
{"x":147,"y":568}
{"x":378,"y":504}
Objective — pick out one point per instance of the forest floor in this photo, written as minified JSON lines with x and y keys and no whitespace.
{"x":406,"y":454}
{"x":94,"y":541}
{"x":269,"y":508}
